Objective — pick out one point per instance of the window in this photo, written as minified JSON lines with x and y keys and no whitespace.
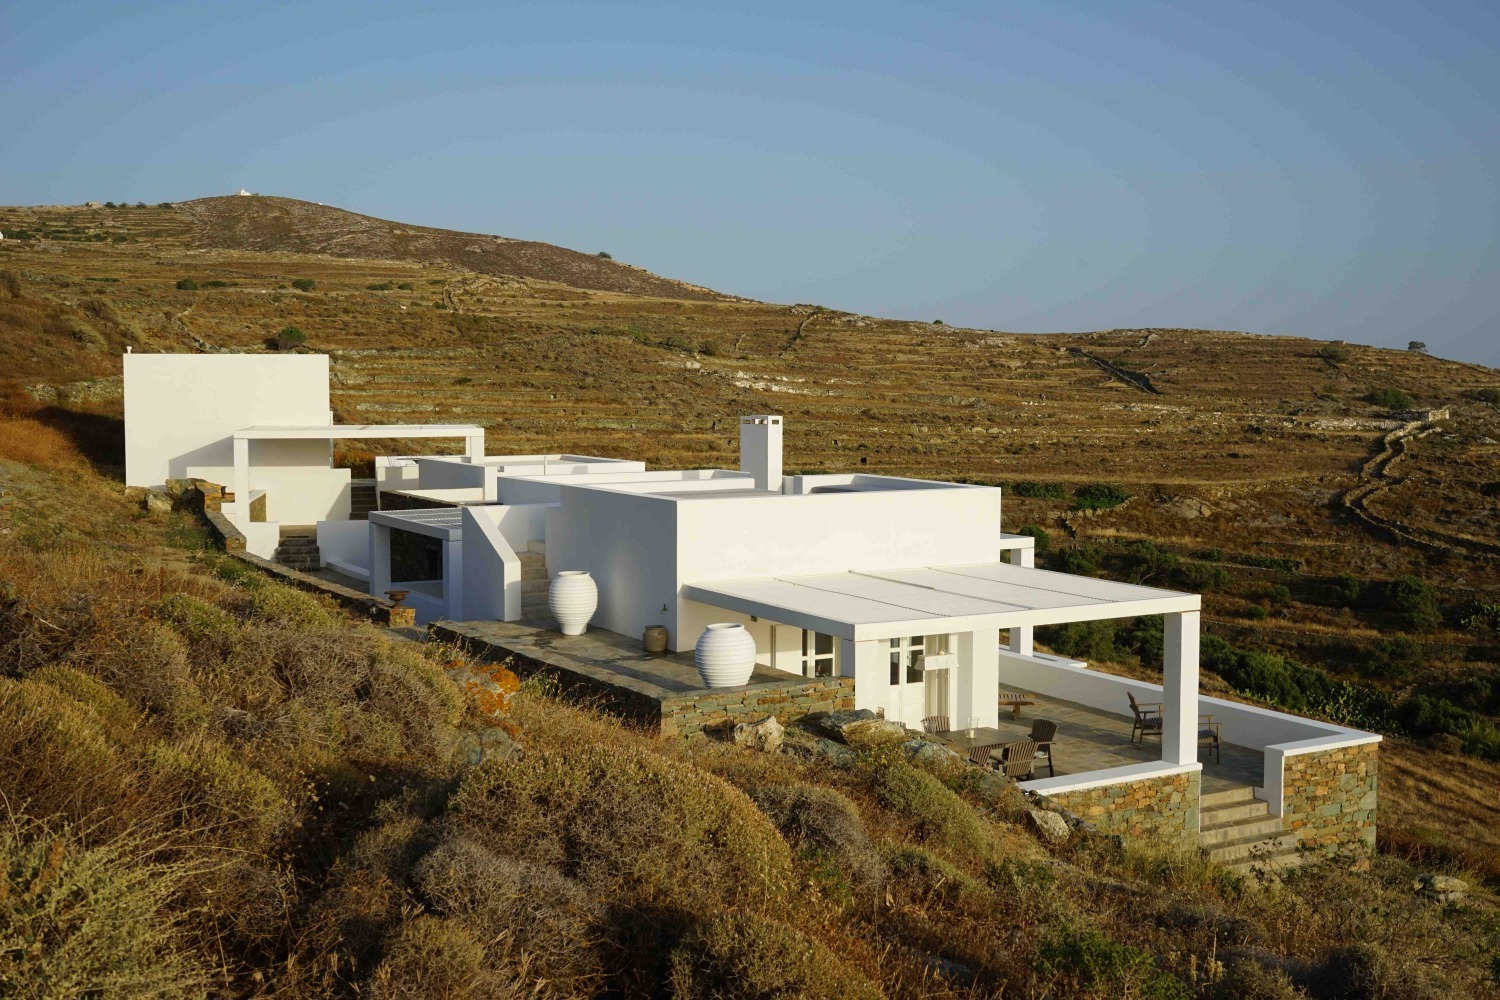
{"x":817,"y":654}
{"x":904,"y":653}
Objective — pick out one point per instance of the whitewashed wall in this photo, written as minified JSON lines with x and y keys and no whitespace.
{"x":181,"y":409}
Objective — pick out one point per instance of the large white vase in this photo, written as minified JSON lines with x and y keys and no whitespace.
{"x":573,"y":599}
{"x":725,"y":655}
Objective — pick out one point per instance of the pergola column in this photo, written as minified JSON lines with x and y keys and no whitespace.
{"x":241,"y":484}
{"x":868,"y":663}
{"x":1179,"y":733}
{"x":1021,"y":636}
{"x":978,"y":702}
{"x":380,"y":558}
{"x":453,"y":578}
{"x":474,"y":446}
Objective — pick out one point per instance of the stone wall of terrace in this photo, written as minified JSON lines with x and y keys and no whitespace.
{"x":1329,"y":797}
{"x":787,"y":700}
{"x":1157,"y":812}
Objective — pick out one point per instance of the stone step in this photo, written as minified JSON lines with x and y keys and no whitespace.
{"x":298,"y":543}
{"x":1277,"y":862}
{"x":1219,"y":815}
{"x":533,"y":572}
{"x":1229,"y":796}
{"x":1246,"y":848}
{"x":537,"y":547}
{"x":531,"y":588}
{"x":1266,"y":826}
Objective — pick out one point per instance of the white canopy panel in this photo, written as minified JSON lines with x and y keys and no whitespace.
{"x":883,"y":604}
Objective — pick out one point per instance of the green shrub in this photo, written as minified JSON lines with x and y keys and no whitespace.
{"x":1040,"y":491}
{"x":1390,"y":399}
{"x":10,"y":284}
{"x":677,"y":343}
{"x":623,"y":819}
{"x":219,"y":284}
{"x":406,"y":286}
{"x":526,"y":912}
{"x":286,"y":605}
{"x":1488,"y":395}
{"x":1333,"y":353}
{"x":1098,"y":496}
{"x":1043,"y":540}
{"x":59,"y":756}
{"x":1149,"y":562}
{"x":1201,"y":579}
{"x":114,"y":714}
{"x":1346,"y":591}
{"x":303,"y":284}
{"x":199,"y":622}
{"x":1279,"y":594}
{"x":710,"y":348}
{"x":1413,"y":603}
{"x":434,"y":958}
{"x":187,"y":285}
{"x":1257,"y":612}
{"x":1482,"y":616}
{"x":290,"y":337}
{"x":381,"y":286}
{"x":745,"y":955}
{"x":605,"y":255}
{"x":1416,"y":345}
{"x":1093,"y":641}
{"x":923,"y":872}
{"x":217,"y":790}
{"x":938,"y":814}
{"x":1089,"y":961}
{"x":81,"y":919}
{"x":1080,"y":560}
{"x":823,"y":824}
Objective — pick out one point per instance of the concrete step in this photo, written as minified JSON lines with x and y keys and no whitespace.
{"x":531,"y":588}
{"x":534,"y":573}
{"x":539,"y":548}
{"x":1265,"y":826}
{"x":1245,"y":849}
{"x":1229,"y":796}
{"x":1219,"y":815}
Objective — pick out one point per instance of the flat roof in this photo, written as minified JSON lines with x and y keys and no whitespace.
{"x":883,"y":604}
{"x":321,"y":431}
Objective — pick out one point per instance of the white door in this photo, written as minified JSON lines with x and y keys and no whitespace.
{"x":908,"y":694}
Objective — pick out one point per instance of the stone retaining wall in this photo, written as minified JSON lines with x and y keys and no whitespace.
{"x":1153,"y":812}
{"x":702,"y":710}
{"x":1329,"y":797}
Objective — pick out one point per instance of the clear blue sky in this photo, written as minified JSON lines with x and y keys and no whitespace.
{"x":1317,"y":169}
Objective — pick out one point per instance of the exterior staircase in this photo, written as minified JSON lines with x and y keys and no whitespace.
{"x":361,"y":499}
{"x":534,"y":582}
{"x":299,"y":548}
{"x":1238,"y":831}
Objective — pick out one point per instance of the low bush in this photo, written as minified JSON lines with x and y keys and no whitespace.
{"x":745,"y":955}
{"x":186,"y":285}
{"x":1098,"y":496}
{"x":1094,"y":965}
{"x":823,"y":824}
{"x":219,"y":792}
{"x":431,"y":958}
{"x":938,"y":814}
{"x":1040,"y":491}
{"x":1390,"y":399}
{"x":1488,"y":395}
{"x":528,"y":915}
{"x":88,"y":920}
{"x":622,"y":819}
{"x":1043,"y":540}
{"x":1333,"y":353}
{"x":1413,"y":603}
{"x":1093,"y":641}
{"x":924,"y":873}
{"x":288,"y":338}
{"x":303,"y":284}
{"x":1080,"y":560}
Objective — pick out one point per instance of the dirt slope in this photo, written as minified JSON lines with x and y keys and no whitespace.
{"x":285,"y":225}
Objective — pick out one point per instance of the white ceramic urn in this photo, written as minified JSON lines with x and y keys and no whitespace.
{"x":573,"y":598}
{"x":725,"y":655}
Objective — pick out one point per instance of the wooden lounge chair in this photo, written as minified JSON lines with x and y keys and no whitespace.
{"x":1043,"y":733}
{"x":1208,"y":734}
{"x":935,"y":724}
{"x":1147,"y":719}
{"x":1018,"y":760}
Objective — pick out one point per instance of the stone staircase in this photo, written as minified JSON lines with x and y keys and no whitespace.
{"x":361,"y":499}
{"x":299,"y":548}
{"x":534,"y":582}
{"x":1238,"y":831}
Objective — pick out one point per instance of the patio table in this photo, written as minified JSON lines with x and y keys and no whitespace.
{"x":983,"y":736}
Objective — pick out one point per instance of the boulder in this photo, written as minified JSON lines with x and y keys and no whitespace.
{"x":822,"y":750}
{"x":926,"y":752}
{"x":136,"y":494}
{"x":157,"y":502}
{"x":478,"y":745}
{"x":765,"y":734}
{"x":874,"y":732}
{"x":1443,"y":888}
{"x":1049,"y":827}
{"x":835,"y":722}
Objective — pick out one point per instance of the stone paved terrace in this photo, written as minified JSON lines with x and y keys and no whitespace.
{"x":1091,"y":740}
{"x":660,"y":689}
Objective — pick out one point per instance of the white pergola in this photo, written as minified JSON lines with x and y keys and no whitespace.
{"x":865,"y":609}
{"x":442,"y":523}
{"x":472,"y":435}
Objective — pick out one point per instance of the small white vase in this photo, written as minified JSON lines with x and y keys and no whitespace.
{"x":725,"y":655}
{"x":573,"y":598}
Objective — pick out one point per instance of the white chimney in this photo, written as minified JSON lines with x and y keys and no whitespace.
{"x":760,"y":451}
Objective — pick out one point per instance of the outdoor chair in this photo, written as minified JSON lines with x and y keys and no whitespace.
{"x":1043,"y":733}
{"x":935,"y":724}
{"x":1147,"y":719}
{"x":1018,"y":760}
{"x":1208,"y":734}
{"x":981,"y":756}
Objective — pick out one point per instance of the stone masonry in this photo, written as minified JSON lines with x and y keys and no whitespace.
{"x":1154,"y":812}
{"x":1330,"y":797}
{"x":693,"y":713}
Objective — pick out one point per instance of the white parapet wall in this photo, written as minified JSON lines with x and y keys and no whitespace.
{"x":1277,"y":734}
{"x":345,"y":547}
